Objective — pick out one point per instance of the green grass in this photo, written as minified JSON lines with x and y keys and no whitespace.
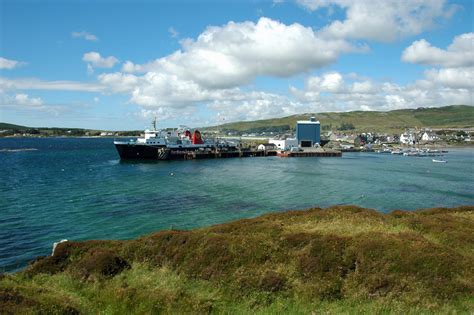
{"x":342,"y":259}
{"x":455,"y":116}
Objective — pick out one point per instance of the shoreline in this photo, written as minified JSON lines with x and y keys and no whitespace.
{"x":427,"y":145}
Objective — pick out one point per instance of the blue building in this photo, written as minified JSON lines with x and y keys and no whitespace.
{"x":308,"y":132}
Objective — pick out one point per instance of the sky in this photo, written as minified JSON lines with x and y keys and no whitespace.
{"x":117,"y":64}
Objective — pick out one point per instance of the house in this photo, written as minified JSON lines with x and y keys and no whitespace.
{"x":429,"y":137}
{"x":338,"y":137}
{"x":407,"y":138}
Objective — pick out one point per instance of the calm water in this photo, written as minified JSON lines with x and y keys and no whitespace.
{"x":78,"y":189}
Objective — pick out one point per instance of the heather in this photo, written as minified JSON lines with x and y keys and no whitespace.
{"x":342,"y":259}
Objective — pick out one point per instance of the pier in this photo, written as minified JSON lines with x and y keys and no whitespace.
{"x":217,"y":154}
{"x":311,"y":154}
{"x":242,"y":153}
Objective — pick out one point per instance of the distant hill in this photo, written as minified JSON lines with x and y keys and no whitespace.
{"x":11,"y":129}
{"x":5,"y":126}
{"x":454,"y":116}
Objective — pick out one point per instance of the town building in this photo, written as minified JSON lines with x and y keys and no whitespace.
{"x":407,"y":138}
{"x":428,"y":136}
{"x":284,"y":144}
{"x":308,"y":132}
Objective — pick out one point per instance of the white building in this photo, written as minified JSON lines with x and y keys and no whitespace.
{"x":267,"y":147}
{"x":338,"y":137}
{"x":428,"y":137}
{"x":286,"y":144}
{"x":407,"y":138}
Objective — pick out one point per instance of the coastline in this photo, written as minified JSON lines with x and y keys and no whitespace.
{"x":427,"y":145}
{"x":341,"y":258}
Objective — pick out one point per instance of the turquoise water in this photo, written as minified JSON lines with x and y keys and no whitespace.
{"x":78,"y":189}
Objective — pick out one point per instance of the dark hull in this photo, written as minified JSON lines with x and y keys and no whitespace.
{"x":138,"y":152}
{"x":147,"y":152}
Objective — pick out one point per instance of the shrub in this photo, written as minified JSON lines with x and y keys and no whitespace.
{"x":273,"y":282}
{"x":102,"y":262}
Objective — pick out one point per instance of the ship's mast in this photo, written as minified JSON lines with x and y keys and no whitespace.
{"x":154,"y":123}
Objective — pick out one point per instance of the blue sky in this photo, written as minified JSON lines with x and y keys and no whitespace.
{"x":117,"y":64}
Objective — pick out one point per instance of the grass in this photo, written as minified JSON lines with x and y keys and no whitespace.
{"x":342,"y":259}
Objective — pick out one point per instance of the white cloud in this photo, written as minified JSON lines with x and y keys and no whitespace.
{"x":96,"y":60}
{"x":167,"y":87}
{"x":173,"y":32}
{"x":456,"y":61}
{"x":160,"y":89}
{"x":119,"y":82}
{"x":346,"y":93}
{"x":10,"y":64}
{"x":236,"y":53}
{"x":452,"y":77}
{"x":130,"y":67}
{"x":329,"y":82}
{"x":167,"y":96}
{"x":210,"y":71}
{"x":36,"y":84}
{"x":85,"y":35}
{"x":186,"y":114}
{"x":25,"y":100}
{"x":384,"y":21}
{"x":256,"y":105}
{"x":20,"y":99}
{"x":363,"y":87}
{"x":24,"y":104}
{"x":459,"y":54}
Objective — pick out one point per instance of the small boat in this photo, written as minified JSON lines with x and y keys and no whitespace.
{"x":439,"y":161}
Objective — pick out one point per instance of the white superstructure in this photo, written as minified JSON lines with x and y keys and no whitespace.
{"x":285,"y":144}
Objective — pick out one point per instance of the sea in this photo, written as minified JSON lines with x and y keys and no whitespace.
{"x":79,"y":189}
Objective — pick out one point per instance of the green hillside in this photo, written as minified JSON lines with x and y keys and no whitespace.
{"x":339,"y":260}
{"x":455,"y":116}
{"x":5,"y":126}
{"x":11,"y":129}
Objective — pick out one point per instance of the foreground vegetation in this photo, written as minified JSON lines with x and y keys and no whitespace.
{"x":342,"y":259}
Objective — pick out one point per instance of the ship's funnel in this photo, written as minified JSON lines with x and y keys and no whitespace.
{"x":197,"y":139}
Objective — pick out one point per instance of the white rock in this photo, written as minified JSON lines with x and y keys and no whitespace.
{"x":56,"y":244}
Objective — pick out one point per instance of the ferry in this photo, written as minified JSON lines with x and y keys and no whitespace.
{"x":167,"y":145}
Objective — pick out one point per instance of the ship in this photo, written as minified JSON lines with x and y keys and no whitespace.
{"x":171,"y":145}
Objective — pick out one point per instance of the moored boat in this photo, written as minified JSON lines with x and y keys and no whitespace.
{"x":167,"y":145}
